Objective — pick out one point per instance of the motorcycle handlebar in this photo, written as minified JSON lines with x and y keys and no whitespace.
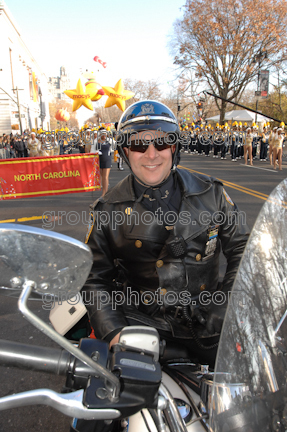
{"x":42,"y":359}
{"x":49,"y":360}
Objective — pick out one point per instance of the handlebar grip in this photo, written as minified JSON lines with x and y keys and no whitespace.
{"x":42,"y":359}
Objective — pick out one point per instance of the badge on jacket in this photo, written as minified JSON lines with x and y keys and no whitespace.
{"x":211,"y":243}
{"x":90,"y":226}
{"x":227,"y":197}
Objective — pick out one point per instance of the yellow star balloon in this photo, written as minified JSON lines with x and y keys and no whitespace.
{"x":117,"y":95}
{"x":81,"y":97}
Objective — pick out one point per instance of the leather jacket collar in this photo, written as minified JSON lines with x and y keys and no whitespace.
{"x":190,"y":184}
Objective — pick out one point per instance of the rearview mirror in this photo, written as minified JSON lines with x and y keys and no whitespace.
{"x":54,"y":262}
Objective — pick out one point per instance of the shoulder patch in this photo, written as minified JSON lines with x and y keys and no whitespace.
{"x":227,"y":197}
{"x":90,"y":226}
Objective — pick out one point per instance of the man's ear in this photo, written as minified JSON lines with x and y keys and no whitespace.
{"x":126,"y":152}
{"x":173,"y":148}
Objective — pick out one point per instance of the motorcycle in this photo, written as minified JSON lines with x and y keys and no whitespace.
{"x":129,"y":388}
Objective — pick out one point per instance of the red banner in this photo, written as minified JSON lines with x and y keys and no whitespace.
{"x":54,"y":175}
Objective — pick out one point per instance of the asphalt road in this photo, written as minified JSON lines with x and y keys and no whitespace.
{"x":248,"y":186}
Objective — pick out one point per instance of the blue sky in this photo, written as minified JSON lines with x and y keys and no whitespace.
{"x":130,"y":36}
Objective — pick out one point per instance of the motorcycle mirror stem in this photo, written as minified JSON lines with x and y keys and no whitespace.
{"x":112,"y":382}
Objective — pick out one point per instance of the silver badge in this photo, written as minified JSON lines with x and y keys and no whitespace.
{"x":211,"y":244}
{"x":210,"y":247}
{"x":147,"y":109}
{"x":90,"y":226}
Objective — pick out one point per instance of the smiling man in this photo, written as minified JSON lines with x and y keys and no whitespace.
{"x":156,"y":239}
{"x":150,"y":156}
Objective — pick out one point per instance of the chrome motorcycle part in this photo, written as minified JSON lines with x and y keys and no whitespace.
{"x":58,"y":265}
{"x":184,"y":410}
{"x":113,"y":390}
{"x":141,"y":337}
{"x":68,"y":403}
{"x":171,"y":411}
{"x":40,"y":258}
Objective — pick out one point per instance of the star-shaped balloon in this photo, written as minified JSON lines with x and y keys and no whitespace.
{"x":117,"y":95}
{"x":81,"y":97}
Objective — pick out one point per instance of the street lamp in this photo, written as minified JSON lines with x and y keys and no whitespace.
{"x":18,"y":105}
{"x":42,"y":111}
{"x":258,"y":58}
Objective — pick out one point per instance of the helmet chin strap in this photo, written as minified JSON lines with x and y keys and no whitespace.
{"x":173,"y":166}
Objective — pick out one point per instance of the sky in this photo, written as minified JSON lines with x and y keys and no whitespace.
{"x":130,"y":36}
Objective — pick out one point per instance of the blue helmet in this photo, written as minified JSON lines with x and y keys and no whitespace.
{"x":147,"y":115}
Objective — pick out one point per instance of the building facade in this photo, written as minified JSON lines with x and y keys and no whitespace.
{"x":58,"y":85}
{"x":23,"y":85}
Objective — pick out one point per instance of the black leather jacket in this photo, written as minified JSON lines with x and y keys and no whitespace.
{"x":208,"y":221}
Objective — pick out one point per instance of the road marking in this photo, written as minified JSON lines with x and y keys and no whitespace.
{"x":8,"y":221}
{"x":25,"y":219}
{"x":240,"y":188}
{"x":225,"y":182}
{"x":264,"y":169}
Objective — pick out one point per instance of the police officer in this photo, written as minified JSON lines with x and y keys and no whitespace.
{"x":161,"y":230}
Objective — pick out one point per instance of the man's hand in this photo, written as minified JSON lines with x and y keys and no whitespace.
{"x":215,"y":318}
{"x":115,"y":340}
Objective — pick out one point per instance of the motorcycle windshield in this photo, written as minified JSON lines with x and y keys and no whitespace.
{"x":250,"y":387}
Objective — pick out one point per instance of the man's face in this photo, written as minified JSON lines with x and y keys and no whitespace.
{"x":153,"y":166}
{"x":102,"y":135}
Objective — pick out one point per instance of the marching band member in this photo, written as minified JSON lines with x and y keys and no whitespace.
{"x":248,"y":146}
{"x":277,"y":148}
{"x":271,"y":139}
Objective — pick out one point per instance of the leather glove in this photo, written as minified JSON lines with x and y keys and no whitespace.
{"x":215,"y":318}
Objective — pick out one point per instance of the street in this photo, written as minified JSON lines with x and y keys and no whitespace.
{"x":248,"y":187}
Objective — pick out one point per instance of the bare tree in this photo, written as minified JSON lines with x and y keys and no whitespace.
{"x":105,"y":115}
{"x":143,"y":90}
{"x":226,"y":42}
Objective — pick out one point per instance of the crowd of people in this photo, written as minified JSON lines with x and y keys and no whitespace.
{"x":43,"y":143}
{"x":98,"y":140}
{"x":13,"y":146}
{"x":240,"y":142}
{"x":29,"y":144}
{"x":237,"y":142}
